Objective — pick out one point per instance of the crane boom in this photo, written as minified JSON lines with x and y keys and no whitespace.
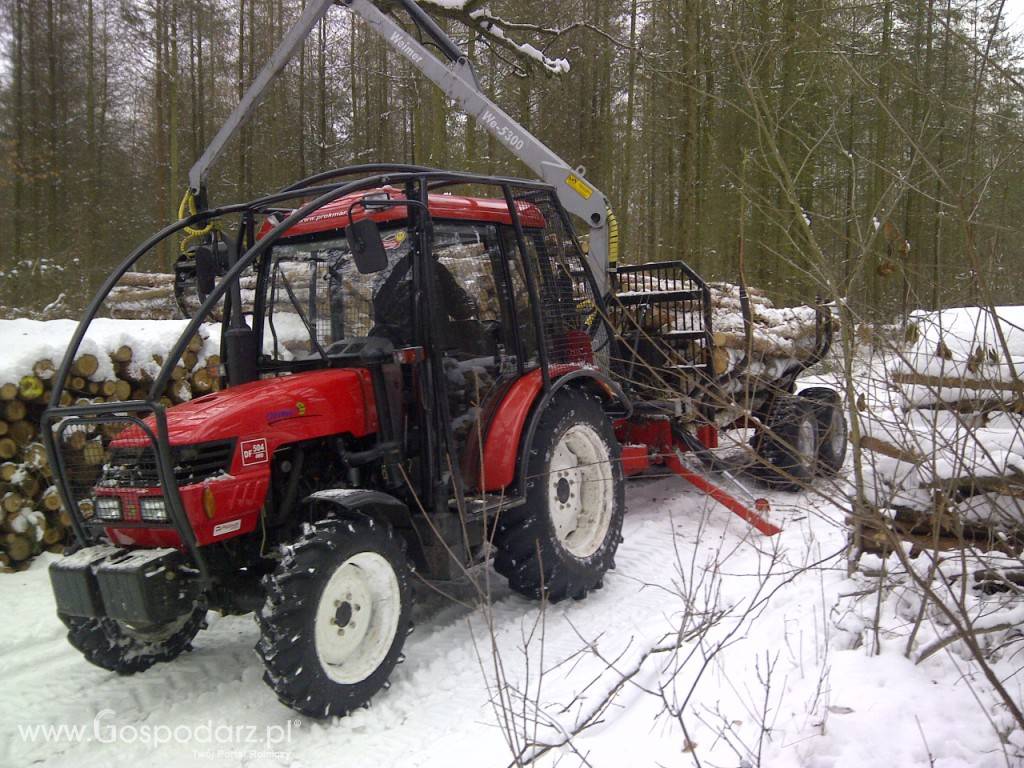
{"x":458,"y":81}
{"x":292,"y":41}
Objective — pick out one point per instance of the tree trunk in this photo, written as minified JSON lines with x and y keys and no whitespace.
{"x":629,"y":139}
{"x":20,"y":164}
{"x":240,"y":77}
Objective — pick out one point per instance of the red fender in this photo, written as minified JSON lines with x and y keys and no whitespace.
{"x":505,"y":434}
{"x":505,"y":431}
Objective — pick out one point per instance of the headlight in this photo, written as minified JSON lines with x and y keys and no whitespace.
{"x":108,"y":507}
{"x":153,"y":508}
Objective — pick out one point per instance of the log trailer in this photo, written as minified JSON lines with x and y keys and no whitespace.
{"x":433,"y":374}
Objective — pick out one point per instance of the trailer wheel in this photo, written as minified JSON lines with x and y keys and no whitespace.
{"x":832,"y":428}
{"x":336,"y":616}
{"x":563,"y":539}
{"x":790,"y":445}
{"x":126,"y":649}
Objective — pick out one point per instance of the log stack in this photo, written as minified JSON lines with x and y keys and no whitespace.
{"x":32,"y":517}
{"x":969,"y":359}
{"x":778,"y":333}
{"x":150,"y":296}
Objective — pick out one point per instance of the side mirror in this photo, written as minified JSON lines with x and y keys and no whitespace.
{"x":367,"y":247}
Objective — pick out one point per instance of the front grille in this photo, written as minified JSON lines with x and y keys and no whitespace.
{"x":85,"y":449}
{"x":136,"y":466}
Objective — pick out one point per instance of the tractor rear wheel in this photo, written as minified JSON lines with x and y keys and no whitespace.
{"x":336,"y":616}
{"x":789,"y":446}
{"x":127,"y":649}
{"x":563,"y":539}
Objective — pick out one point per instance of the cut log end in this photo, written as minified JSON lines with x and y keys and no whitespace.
{"x":85,"y":365}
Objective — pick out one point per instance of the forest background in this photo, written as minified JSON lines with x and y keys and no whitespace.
{"x":895,"y":125}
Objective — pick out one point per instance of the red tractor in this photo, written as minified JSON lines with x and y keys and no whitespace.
{"x":425,"y":372}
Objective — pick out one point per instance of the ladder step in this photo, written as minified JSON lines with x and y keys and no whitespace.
{"x":636,"y":298}
{"x":476,"y":505}
{"x":694,"y":334}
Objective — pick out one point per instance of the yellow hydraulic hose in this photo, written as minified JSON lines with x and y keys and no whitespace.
{"x":188,"y":208}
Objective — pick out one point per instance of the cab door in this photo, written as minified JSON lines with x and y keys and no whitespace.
{"x":478,"y":325}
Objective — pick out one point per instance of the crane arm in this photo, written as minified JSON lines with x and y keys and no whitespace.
{"x":456,"y":78}
{"x":458,"y":81}
{"x":292,"y":41}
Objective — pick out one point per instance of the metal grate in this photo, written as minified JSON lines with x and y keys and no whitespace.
{"x":661,"y":316}
{"x":136,"y":466}
{"x":568,"y":308}
{"x":84,"y":445}
{"x":110,"y":464}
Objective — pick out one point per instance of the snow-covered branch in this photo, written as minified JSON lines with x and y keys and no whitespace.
{"x":496,"y":31}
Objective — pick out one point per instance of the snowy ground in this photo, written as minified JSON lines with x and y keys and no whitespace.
{"x":709,"y":645}
{"x":784,"y":673}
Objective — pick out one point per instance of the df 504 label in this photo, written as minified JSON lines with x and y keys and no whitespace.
{"x":254,"y":452}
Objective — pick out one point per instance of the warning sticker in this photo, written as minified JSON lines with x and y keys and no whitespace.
{"x":578,"y":184}
{"x":254,"y":452}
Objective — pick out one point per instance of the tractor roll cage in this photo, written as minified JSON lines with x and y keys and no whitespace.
{"x":325,"y":188}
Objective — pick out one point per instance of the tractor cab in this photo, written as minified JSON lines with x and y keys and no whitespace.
{"x":318,"y":297}
{"x":447,"y":308}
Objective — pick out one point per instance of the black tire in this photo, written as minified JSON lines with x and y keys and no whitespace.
{"x":832,"y":429}
{"x":126,"y":650}
{"x":536,"y":550}
{"x":299,"y":619}
{"x":789,"y":447}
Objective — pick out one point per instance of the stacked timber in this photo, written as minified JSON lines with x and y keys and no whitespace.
{"x":32,"y":516}
{"x":948,"y":480}
{"x":150,"y":296}
{"x":965,"y":358}
{"x":955,"y":486}
{"x":787,"y":333}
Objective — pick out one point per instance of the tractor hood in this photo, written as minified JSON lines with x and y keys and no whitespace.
{"x":288,"y":408}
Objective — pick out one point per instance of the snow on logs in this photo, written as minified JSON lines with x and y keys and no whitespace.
{"x":150,"y":296}
{"x":963,"y":357}
{"x":118,"y":361}
{"x":942,"y":479}
{"x":786,"y":333}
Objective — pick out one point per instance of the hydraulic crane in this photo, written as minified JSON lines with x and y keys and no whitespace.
{"x":456,"y":78}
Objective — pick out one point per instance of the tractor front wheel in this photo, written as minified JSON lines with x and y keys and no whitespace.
{"x":563,"y":539}
{"x":336,"y":616}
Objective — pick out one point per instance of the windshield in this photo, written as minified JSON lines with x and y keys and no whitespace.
{"x":316,"y":297}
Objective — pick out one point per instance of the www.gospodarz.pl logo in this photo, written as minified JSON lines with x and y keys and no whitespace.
{"x":208,"y":735}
